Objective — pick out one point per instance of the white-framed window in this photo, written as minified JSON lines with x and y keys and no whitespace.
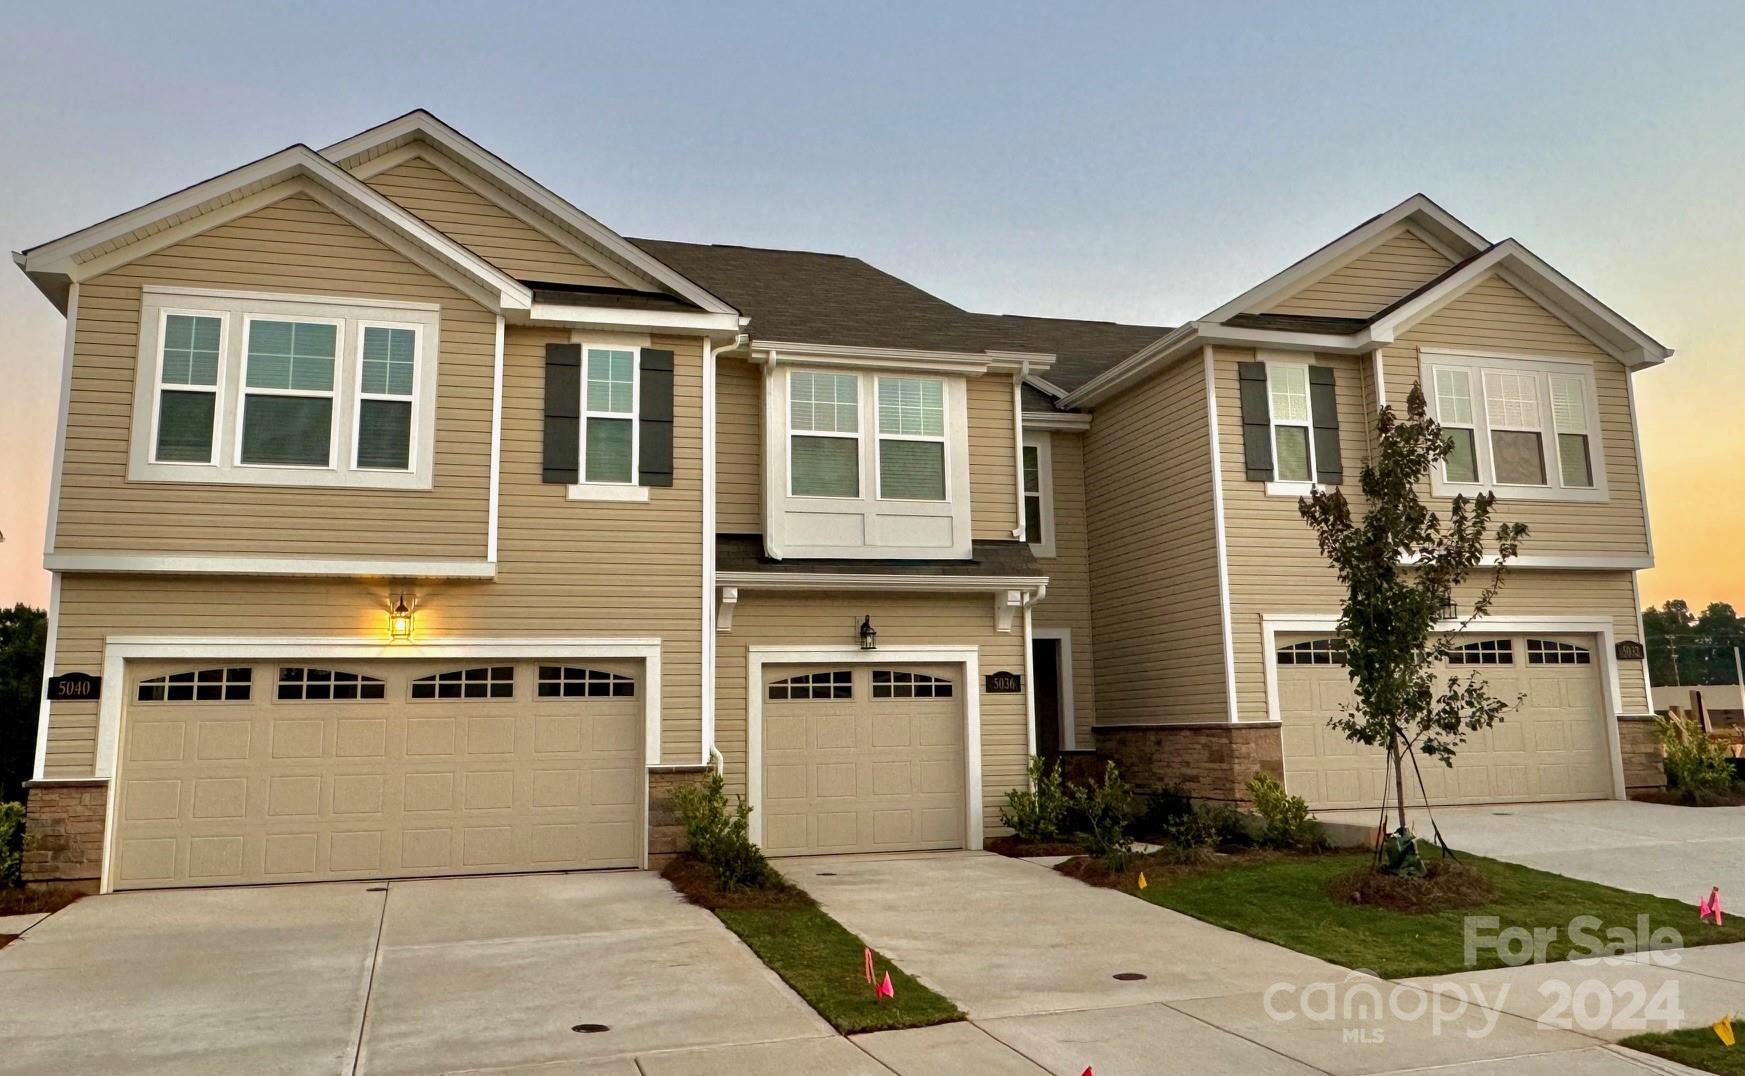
{"x":823,"y":434}
{"x":867,"y":463}
{"x":1522,"y":427}
{"x":266,"y":388}
{"x":911,"y":443}
{"x":1293,"y":438}
{"x":609,"y":426}
{"x":1038,"y":482}
{"x":387,"y":371}
{"x":190,"y":369}
{"x":289,"y":366}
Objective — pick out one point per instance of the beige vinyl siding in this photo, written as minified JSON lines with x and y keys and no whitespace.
{"x":993,"y":458}
{"x":738,"y":447}
{"x":1496,"y":317}
{"x":297,"y":247}
{"x":1068,"y":604}
{"x":773,"y":618}
{"x":566,"y":569}
{"x":1153,"y":557}
{"x":483,"y":225}
{"x":1397,"y":266}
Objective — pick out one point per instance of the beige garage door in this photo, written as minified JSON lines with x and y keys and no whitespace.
{"x":862,"y":759}
{"x":1553,"y":746}
{"x":293,"y":773}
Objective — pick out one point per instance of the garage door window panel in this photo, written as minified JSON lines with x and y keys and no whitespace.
{"x":901,"y":684}
{"x":305,"y":684}
{"x":1483,"y":652}
{"x":832,"y":684}
{"x":572,"y":682}
{"x":1313,"y":652}
{"x":1553,"y":652}
{"x":482,"y":682}
{"x":198,"y":685}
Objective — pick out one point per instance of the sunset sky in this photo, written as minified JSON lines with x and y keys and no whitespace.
{"x":1134,"y":163}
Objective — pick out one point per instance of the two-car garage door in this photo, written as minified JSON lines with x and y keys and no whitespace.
{"x":291,"y":772}
{"x":1554,"y":745}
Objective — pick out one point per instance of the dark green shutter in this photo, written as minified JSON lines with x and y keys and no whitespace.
{"x":655,"y":465}
{"x":1324,"y":416}
{"x":563,"y":412}
{"x":1256,"y":421}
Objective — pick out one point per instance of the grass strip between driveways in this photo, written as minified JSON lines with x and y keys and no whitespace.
{"x":814,"y":954}
{"x":1700,"y":1048}
{"x":1283,"y":899}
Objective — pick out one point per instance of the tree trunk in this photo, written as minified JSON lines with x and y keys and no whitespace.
{"x":1399,"y":757}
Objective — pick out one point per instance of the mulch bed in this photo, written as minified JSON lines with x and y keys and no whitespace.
{"x":28,"y":900}
{"x":696,"y":883}
{"x":1675,"y":798}
{"x":7,"y":939}
{"x":1447,"y":883}
{"x":1017,"y":849}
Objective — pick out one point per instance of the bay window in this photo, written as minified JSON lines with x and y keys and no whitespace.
{"x":269,"y":389}
{"x":824,"y":434}
{"x":1522,"y":427}
{"x":912,"y":438}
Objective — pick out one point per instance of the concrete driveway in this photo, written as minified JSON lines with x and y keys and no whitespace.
{"x":1031,"y":956}
{"x":1676,"y":852}
{"x":403,"y":977}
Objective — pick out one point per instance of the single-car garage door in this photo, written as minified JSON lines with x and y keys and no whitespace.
{"x":862,"y":759}
{"x":1552,"y":746}
{"x":285,"y":772}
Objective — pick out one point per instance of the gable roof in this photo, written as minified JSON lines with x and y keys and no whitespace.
{"x":53,"y":265}
{"x":1082,"y":349}
{"x":420,"y":124}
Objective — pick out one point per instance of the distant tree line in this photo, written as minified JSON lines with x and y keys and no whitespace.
{"x":1692,"y":648}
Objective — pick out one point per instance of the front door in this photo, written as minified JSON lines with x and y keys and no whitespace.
{"x":1045,"y":671}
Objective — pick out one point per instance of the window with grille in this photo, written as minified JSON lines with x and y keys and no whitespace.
{"x":898,"y":684}
{"x":483,"y":682}
{"x":199,"y":685}
{"x":1552,"y":652}
{"x":1313,"y":652}
{"x":574,"y":682}
{"x":1518,"y":425}
{"x":833,"y":684}
{"x":1483,"y":652}
{"x":303,"y":684}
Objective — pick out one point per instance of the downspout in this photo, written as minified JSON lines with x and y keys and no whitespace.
{"x":710,"y":754}
{"x":1018,"y":445}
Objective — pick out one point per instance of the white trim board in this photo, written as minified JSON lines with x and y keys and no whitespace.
{"x":1274,"y":624}
{"x":118,"y":650}
{"x":969,"y":657}
{"x":199,"y":564}
{"x":40,"y":762}
{"x":1223,"y":544}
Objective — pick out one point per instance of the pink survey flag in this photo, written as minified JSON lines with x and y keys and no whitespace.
{"x":867,"y":951}
{"x":1711,"y":906}
{"x":1087,"y":1072}
{"x":886,"y":990}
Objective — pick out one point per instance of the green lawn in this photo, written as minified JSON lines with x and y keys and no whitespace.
{"x":1700,"y":1048}
{"x":1284,"y":900}
{"x":825,"y":964}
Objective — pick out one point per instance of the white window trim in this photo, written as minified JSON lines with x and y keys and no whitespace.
{"x":602,"y":490}
{"x":1041,"y":545}
{"x":867,"y":513}
{"x":1542,"y":367}
{"x":236,"y":310}
{"x":943,"y":439}
{"x":1069,"y":726}
{"x":858,"y":436}
{"x":359,"y":395}
{"x":340,"y":408}
{"x":1290,"y":485}
{"x":159,"y":387}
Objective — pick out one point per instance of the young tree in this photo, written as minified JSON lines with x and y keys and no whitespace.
{"x":1400,"y":565}
{"x":23,"y":635}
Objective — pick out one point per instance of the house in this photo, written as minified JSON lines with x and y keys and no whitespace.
{"x":406,"y":520}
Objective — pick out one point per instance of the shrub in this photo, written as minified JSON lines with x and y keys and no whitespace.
{"x":1284,"y":818}
{"x":1037,"y":812}
{"x":1160,"y":810}
{"x":721,"y":838}
{"x":1107,"y":808}
{"x":1228,"y":827}
{"x":1695,"y":764}
{"x":11,"y":845}
{"x":1189,"y":837}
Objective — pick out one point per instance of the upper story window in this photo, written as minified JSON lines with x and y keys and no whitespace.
{"x":609,"y":416}
{"x":244,"y":388}
{"x":1038,"y":480}
{"x":1521,"y":427}
{"x":1293,"y":454}
{"x":867,"y":464}
{"x":1290,"y":422}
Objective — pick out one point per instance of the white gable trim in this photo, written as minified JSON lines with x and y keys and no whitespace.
{"x":1428,"y":221}
{"x":421,"y":124}
{"x":257,"y":184}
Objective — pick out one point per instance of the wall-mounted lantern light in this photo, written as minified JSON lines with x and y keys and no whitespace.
{"x":869,"y":638}
{"x":400,"y":620}
{"x":1450,"y":611}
